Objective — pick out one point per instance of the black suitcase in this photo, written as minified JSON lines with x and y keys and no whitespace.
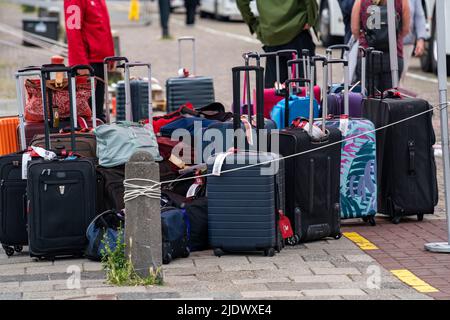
{"x":243,"y":204}
{"x":61,"y":195}
{"x":13,"y":224}
{"x":198,"y":90}
{"x":312,"y":179}
{"x":406,"y":166}
{"x":139,"y":100}
{"x":110,"y":188}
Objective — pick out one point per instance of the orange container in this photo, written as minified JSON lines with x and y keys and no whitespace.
{"x":8,"y":135}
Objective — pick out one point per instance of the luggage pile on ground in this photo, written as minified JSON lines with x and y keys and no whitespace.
{"x":300,"y":159}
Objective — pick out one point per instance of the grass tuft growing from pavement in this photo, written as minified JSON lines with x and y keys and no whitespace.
{"x":120,"y":270}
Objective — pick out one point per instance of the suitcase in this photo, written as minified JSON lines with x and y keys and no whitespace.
{"x":110,"y":188}
{"x":198,"y":90}
{"x":358,"y":185}
{"x":243,"y":204}
{"x":61,"y":194}
{"x":85,"y":143}
{"x":8,"y":135}
{"x":13,"y":224}
{"x":312,"y":179}
{"x":120,"y":63}
{"x":175,"y":236}
{"x":139,"y":100}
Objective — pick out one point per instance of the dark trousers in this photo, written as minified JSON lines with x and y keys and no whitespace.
{"x":379,"y":75}
{"x":191,"y":6}
{"x":99,"y":90}
{"x":302,"y":41}
{"x":164,"y":13}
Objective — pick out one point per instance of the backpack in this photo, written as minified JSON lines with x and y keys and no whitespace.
{"x":105,"y":224}
{"x":175,"y":234}
{"x":378,"y":38}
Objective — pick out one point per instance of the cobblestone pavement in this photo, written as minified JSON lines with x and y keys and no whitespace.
{"x":325,"y":269}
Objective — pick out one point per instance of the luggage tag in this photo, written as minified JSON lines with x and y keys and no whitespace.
{"x":285,"y":226}
{"x":26,"y":157}
{"x":248,"y":129}
{"x":343,"y":124}
{"x":47,"y":155}
{"x":218,"y":163}
{"x":199,"y":182}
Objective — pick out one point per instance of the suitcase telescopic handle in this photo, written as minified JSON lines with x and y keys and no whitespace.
{"x":236,"y":73}
{"x":30,"y":71}
{"x":324,"y":61}
{"x":282,"y":53}
{"x":287,"y":94}
{"x":128,"y":107}
{"x":344,"y":62}
{"x":372,"y":55}
{"x":364,"y":53}
{"x":106,"y":61}
{"x":343,"y":47}
{"x":194,"y":52}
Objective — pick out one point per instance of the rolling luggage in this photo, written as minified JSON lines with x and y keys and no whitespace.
{"x":8,"y":135}
{"x":197,"y":90}
{"x":110,"y":188}
{"x":175,"y":238}
{"x":345,"y":54}
{"x":358,"y":186}
{"x":13,"y":222}
{"x":407,"y":183}
{"x":139,"y":90}
{"x":312,"y":178}
{"x":243,"y":203}
{"x":298,"y":106}
{"x":61,"y":193}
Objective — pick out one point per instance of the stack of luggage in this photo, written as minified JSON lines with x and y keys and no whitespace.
{"x":286,"y":166}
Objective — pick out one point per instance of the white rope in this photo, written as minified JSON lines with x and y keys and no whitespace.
{"x":133,"y":191}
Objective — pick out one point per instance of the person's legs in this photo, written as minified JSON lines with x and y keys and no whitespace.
{"x":99,"y":91}
{"x":164,"y":13}
{"x":190,"y":6}
{"x":407,"y":55}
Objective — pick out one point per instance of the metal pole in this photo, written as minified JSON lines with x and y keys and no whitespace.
{"x":392,"y":42}
{"x":443,"y":247}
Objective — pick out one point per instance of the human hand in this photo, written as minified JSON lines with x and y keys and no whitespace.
{"x":112,"y":66}
{"x":83,"y":72}
{"x":420,"y":48}
{"x":306,"y":27}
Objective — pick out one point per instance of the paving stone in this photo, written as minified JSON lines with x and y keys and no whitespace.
{"x":277,"y":286}
{"x":114,"y":290}
{"x":69,"y":262}
{"x":61,"y":294}
{"x":11,"y":296}
{"x":286,"y":270}
{"x":29,"y":264}
{"x":192,"y":271}
{"x":358,"y":258}
{"x":48,"y":269}
{"x":248,"y":267}
{"x":92,"y":266}
{"x":25,"y":277}
{"x":211,"y":295}
{"x":328,"y":271}
{"x":85,"y":284}
{"x":331,"y":292}
{"x":179,"y":279}
{"x":12,"y":271}
{"x":229,"y":275}
{"x":261,"y":280}
{"x":147,"y":295}
{"x":179,"y":263}
{"x":222,"y":261}
{"x":231,"y":287}
{"x":271,"y":294}
{"x":91,"y":275}
{"x":321,"y":279}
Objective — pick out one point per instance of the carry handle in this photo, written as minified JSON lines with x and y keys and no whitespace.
{"x":325,"y":61}
{"x":287,"y":94}
{"x":194,"y":54}
{"x":296,"y":63}
{"x":373,"y":54}
{"x":236,"y":73}
{"x":21,"y":99}
{"x":278,"y":54}
{"x":306,"y":56}
{"x":364,"y":52}
{"x":346,"y":81}
{"x":74,"y":73}
{"x":105,"y":72}
{"x":128,"y":107}
{"x":342,"y":47}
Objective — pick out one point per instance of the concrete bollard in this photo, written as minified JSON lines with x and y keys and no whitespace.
{"x":143,"y":217}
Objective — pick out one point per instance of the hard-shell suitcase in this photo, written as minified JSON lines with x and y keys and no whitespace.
{"x":312,"y":178}
{"x":358,"y":186}
{"x":407,"y":182}
{"x":13,"y":222}
{"x":198,"y":90}
{"x":61,"y":193}
{"x":345,"y":54}
{"x":139,"y":100}
{"x":8,"y":135}
{"x":243,"y":202}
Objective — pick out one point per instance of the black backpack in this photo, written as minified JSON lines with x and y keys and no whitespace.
{"x":378,"y":38}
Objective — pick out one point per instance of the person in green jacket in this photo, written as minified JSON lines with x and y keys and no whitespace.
{"x":280,"y":25}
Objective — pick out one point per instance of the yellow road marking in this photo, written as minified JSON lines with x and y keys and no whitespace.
{"x":412,"y":280}
{"x":360,"y":241}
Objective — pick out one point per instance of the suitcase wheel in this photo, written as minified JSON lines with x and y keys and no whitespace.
{"x":269,"y":252}
{"x":370,"y":220}
{"x":218,"y":252}
{"x":18,"y":249}
{"x":420,"y":217}
{"x":292,"y":241}
{"x":167,"y":258}
{"x":338,"y":236}
{"x":8,"y":250}
{"x":186,"y":253}
{"x":396,"y":220}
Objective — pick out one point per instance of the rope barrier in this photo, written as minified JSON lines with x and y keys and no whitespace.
{"x":132,"y":191}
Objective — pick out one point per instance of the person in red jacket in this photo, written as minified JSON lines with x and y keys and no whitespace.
{"x":89,"y":39}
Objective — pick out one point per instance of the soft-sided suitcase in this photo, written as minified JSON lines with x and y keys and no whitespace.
{"x":312,"y":179}
{"x":198,"y":90}
{"x":358,"y":186}
{"x":8,"y":135}
{"x":407,"y":182}
{"x":61,"y":194}
{"x":110,"y":188}
{"x":243,"y":202}
{"x":85,"y":143}
{"x":139,"y":100}
{"x":13,"y":225}
{"x":339,"y":87}
{"x":175,"y":236}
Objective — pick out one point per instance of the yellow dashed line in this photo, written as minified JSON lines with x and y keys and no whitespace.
{"x":359,"y":240}
{"x":412,"y":280}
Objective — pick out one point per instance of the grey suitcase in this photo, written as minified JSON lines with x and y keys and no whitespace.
{"x":243,"y":204}
{"x":139,"y":100}
{"x":198,"y":90}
